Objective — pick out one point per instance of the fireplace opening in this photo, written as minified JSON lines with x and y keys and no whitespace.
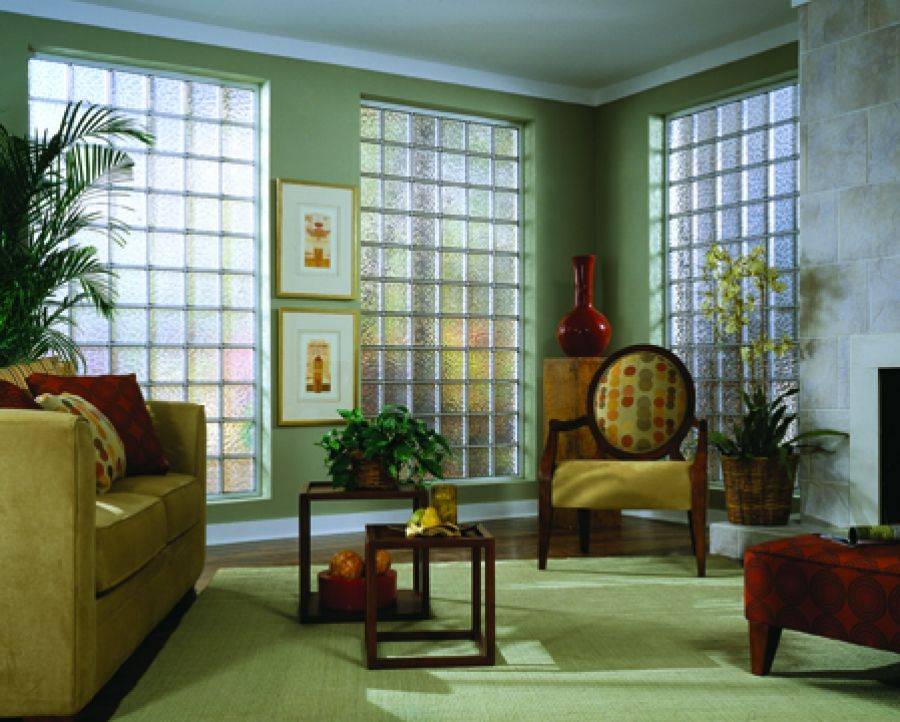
{"x":889,"y":444}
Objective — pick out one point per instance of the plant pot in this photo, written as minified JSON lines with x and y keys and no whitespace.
{"x":758,"y":491}
{"x":371,"y":474}
{"x":583,"y":331}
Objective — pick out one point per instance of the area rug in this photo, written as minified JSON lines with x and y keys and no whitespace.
{"x":623,"y":638}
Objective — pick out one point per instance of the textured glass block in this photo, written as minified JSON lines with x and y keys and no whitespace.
{"x":679,"y":265}
{"x":396,"y":195}
{"x":704,"y":193}
{"x":705,"y":125}
{"x":698,"y":290}
{"x":90,"y":326}
{"x":477,"y":462}
{"x":137,"y":176}
{"x":479,"y":365}
{"x":165,"y":211}
{"x":705,"y":159}
{"x":506,"y":206}
{"x":203,"y":138}
{"x":424,"y":197}
{"x":478,"y":300}
{"x":396,"y":394}
{"x":424,"y":299}
{"x":680,"y":330}
{"x":370,"y":227}
{"x":238,"y":291}
{"x":505,"y":461}
{"x":478,"y":398}
{"x":208,"y":397}
{"x":506,"y":365}
{"x":706,"y":363}
{"x":785,"y":297}
{"x":755,"y":147}
{"x":166,"y":365}
{"x":203,"y":177}
{"x":370,"y":158}
{"x":729,"y":188}
{"x":452,"y":332}
{"x":202,"y":251}
{"x":238,"y":475}
{"x":703,"y":331}
{"x":396,"y":365}
{"x":424,"y":130}
{"x":506,"y":237}
{"x":369,"y":361}
{"x":170,"y":134}
{"x":423,"y":264}
{"x":453,"y":167}
{"x":96,"y":359}
{"x":680,"y":231}
{"x":783,"y":103}
{"x":453,"y":233}
{"x":455,"y":463}
{"x":129,"y":326}
{"x":681,"y":131}
{"x":730,"y":364}
{"x":783,"y":325}
{"x":203,"y":214}
{"x":48,"y":79}
{"x":396,"y":331}
{"x":424,"y":231}
{"x":238,"y":327}
{"x":239,"y":400}
{"x":754,"y":220}
{"x":396,"y":297}
{"x":506,"y":333}
{"x":506,"y":174}
{"x":729,"y":223}
{"x":169,"y":95}
{"x":424,"y":164}
{"x":505,"y":397}
{"x":479,"y":204}
{"x":396,"y":161}
{"x":131,"y":90}
{"x":479,"y":171}
{"x":371,"y":261}
{"x":395,"y":229}
{"x":453,"y":134}
{"x":396,"y":126}
{"x":213,"y":474}
{"x":167,"y":288}
{"x":681,"y":165}
{"x":370,"y":123}
{"x":706,"y":398}
{"x":238,"y":437}
{"x":754,"y":181}
{"x":205,"y":100}
{"x":370,"y":192}
{"x":238,"y":142}
{"x":479,"y":138}
{"x":424,"y":399}
{"x":680,"y":297}
{"x":729,"y":152}
{"x":237,"y":364}
{"x":505,"y":429}
{"x":424,"y":365}
{"x":479,"y":235}
{"x":130,"y":209}
{"x":479,"y":332}
{"x":506,"y":141}
{"x":90,"y":84}
{"x":369,"y":295}
{"x":453,"y":266}
{"x":370,"y":405}
{"x":203,"y":289}
{"x":756,"y":110}
{"x":370,"y":331}
{"x":203,"y":364}
{"x":167,"y":326}
{"x":478,"y":268}
{"x":729,"y":118}
{"x":424,"y":331}
{"x":782,"y":141}
{"x":130,"y":360}
{"x":131,"y":286}
{"x":238,"y":217}
{"x":166,"y":173}
{"x":783,"y":178}
{"x":453,"y":200}
{"x":452,"y":398}
{"x":452,"y":299}
{"x":131,"y":253}
{"x":479,"y":430}
{"x":680,"y":198}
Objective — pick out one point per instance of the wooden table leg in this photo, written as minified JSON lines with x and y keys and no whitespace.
{"x":426,"y":584}
{"x":489,"y":619}
{"x":371,"y":631}
{"x":476,"y":593}
{"x":304,"y":558}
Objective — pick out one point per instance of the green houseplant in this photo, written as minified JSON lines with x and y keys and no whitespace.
{"x":49,"y":183}
{"x":759,"y":461}
{"x":383,"y":450}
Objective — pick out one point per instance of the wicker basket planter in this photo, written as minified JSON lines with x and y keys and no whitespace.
{"x":758,"y":491}
{"x":371,"y":474}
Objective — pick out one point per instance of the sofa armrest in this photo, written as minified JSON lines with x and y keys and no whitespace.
{"x":47,"y":558}
{"x":182,"y":430}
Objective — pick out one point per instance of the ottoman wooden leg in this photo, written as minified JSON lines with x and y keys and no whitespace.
{"x":763,"y":645}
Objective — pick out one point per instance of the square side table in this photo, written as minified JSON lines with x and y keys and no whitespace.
{"x":481,"y":544}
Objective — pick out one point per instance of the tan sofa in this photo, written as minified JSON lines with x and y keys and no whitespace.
{"x":84,"y":578}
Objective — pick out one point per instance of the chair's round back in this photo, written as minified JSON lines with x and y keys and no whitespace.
{"x":641,"y":401}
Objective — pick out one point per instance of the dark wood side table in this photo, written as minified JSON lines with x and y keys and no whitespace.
{"x":476,"y":538}
{"x":411,"y":603}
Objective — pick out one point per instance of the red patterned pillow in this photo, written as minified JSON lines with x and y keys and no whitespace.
{"x":120,"y":399}
{"x":15,"y":397}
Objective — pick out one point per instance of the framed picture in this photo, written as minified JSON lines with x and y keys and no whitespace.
{"x":317,"y":365}
{"x":315,"y":240}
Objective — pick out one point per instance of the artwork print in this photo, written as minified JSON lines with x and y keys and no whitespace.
{"x":320,"y":228}
{"x":319,"y":354}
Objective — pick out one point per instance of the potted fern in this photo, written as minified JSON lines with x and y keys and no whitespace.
{"x":759,"y":458}
{"x":48,"y":183}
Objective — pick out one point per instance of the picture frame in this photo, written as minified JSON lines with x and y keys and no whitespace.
{"x":316,"y":240}
{"x":318,"y":365}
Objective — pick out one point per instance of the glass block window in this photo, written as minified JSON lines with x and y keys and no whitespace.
{"x":731,"y":180}
{"x":441,"y":279}
{"x":186,"y":320}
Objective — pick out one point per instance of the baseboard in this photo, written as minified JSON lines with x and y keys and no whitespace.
{"x":286,"y":527}
{"x":674,"y":517}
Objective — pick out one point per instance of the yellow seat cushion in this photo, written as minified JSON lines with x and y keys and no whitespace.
{"x":592,"y":484}
{"x":131,"y":530}
{"x":181,"y":494}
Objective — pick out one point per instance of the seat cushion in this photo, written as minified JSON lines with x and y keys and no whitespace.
{"x":131,"y":530}
{"x":818,"y":586}
{"x":591,"y":484}
{"x":181,"y":495}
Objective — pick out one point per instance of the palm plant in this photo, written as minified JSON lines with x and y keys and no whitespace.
{"x":47,"y":185}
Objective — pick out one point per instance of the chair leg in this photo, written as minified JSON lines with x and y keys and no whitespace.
{"x":691,"y":531}
{"x":545,"y":525}
{"x":697,"y":523}
{"x":763,"y":645}
{"x":584,"y":530}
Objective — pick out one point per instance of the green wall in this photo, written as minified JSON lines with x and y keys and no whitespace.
{"x":314,"y":135}
{"x":629,"y":264}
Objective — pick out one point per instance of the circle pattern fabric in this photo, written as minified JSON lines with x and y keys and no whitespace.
{"x":640,"y":402}
{"x":109,"y":451}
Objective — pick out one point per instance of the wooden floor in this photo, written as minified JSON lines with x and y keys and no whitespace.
{"x":515,"y":539}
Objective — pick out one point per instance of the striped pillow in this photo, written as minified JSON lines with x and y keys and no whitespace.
{"x":49,"y":365}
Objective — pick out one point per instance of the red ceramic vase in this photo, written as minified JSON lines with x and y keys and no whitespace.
{"x":584,"y":331}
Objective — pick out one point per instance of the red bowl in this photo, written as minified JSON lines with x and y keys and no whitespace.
{"x":349,"y":595}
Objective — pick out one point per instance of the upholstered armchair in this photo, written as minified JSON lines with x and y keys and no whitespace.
{"x":639,"y":409}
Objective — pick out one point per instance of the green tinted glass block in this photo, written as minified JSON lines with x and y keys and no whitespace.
{"x":452,"y":365}
{"x":370,"y":158}
{"x":396,"y":297}
{"x":370,"y":330}
{"x":370,"y":123}
{"x":505,"y":397}
{"x":238,"y":437}
{"x":479,"y":171}
{"x":505,"y":461}
{"x":506,"y":141}
{"x":479,"y":365}
{"x":479,"y":138}
{"x":396,"y":262}
{"x":396,"y":331}
{"x":478,"y":300}
{"x":479,"y":332}
{"x":396,"y":126}
{"x":452,"y":398}
{"x":479,"y":236}
{"x":479,"y":398}
{"x":506,"y":365}
{"x":423,"y":365}
{"x":453,"y":266}
{"x":478,"y":268}
{"x":453,"y":299}
{"x":453,"y":134}
{"x":478,"y":462}
{"x":452,"y":332}
{"x":453,"y":233}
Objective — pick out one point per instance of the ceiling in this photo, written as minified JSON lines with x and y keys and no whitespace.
{"x":577,"y":44}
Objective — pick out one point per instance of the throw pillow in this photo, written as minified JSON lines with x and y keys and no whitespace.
{"x":20,"y":372}
{"x":109,"y":451}
{"x":15,"y":397}
{"x":121,"y":400}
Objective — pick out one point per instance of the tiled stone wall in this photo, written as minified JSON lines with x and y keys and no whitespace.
{"x":849,"y":213}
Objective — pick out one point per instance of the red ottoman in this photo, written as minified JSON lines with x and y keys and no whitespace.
{"x":821,"y":587}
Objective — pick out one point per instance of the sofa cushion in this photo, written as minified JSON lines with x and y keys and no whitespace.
{"x":131,"y":530}
{"x":181,"y":495}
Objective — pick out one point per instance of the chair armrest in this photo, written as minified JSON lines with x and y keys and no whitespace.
{"x":548,"y":457}
{"x":47,"y":559}
{"x":182,"y":430}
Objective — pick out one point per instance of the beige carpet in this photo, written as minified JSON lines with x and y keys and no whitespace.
{"x":589,"y":639}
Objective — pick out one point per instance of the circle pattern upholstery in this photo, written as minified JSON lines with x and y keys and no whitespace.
{"x":640,"y":401}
